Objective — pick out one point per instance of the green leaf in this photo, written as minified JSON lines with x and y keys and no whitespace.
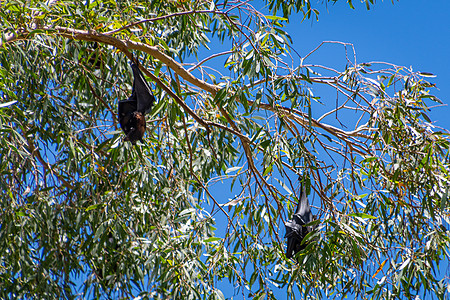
{"x":232,"y":169}
{"x":95,"y":206}
{"x":7,"y":104}
{"x":426,"y":74}
{"x":276,"y":18}
{"x":284,"y":186}
{"x":362,"y":215}
{"x":212,"y":239}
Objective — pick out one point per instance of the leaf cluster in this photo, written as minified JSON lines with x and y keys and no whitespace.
{"x":238,"y":110}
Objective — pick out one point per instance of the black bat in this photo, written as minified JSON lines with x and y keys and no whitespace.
{"x":132,"y":110}
{"x":296,"y":229}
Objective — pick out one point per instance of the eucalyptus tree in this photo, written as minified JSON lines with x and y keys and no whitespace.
{"x":200,"y":205}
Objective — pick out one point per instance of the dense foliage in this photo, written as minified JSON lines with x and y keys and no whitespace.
{"x":85,"y":214}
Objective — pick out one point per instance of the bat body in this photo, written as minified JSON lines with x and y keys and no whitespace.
{"x":296,"y":229}
{"x":132,"y":110}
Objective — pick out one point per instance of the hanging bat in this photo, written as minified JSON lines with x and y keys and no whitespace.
{"x":132,"y":110}
{"x":296,"y":229}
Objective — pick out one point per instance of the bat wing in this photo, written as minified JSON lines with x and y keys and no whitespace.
{"x":294,"y":237}
{"x":142,"y":91}
{"x":291,"y":245}
{"x":303,"y":211}
{"x":126,"y":109}
{"x":127,"y":106}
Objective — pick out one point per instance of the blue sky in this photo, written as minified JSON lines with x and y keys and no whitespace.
{"x":413,"y":33}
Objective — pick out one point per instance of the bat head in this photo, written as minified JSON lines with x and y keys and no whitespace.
{"x":135,"y":128}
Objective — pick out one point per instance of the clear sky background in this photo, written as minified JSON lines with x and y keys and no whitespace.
{"x":411,"y":33}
